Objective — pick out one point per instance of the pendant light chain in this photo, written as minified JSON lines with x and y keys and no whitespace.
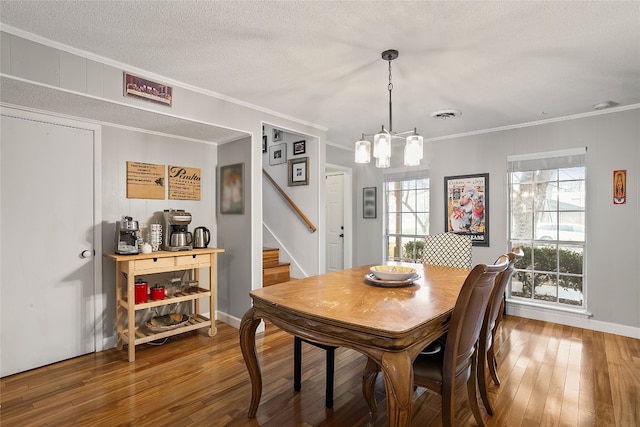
{"x":390,"y":87}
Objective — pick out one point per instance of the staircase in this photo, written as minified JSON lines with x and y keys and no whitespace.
{"x":273,"y":271}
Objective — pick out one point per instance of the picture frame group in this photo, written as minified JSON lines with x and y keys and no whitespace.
{"x":299,"y":171}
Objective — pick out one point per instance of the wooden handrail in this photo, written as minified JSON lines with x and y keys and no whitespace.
{"x":291,"y":203}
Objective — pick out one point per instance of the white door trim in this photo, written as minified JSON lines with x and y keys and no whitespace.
{"x":28,"y":114}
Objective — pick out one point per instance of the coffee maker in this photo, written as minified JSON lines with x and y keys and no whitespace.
{"x":176,"y":230}
{"x":127,"y":236}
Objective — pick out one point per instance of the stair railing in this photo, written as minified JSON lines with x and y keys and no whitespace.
{"x":291,"y":203}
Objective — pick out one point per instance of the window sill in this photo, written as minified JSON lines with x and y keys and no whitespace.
{"x":518,"y":305}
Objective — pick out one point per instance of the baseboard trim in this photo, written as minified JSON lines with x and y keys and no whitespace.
{"x":571,"y":319}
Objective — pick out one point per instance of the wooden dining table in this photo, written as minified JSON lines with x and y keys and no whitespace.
{"x":388,"y":324}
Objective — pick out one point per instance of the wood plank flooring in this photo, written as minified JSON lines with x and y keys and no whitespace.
{"x":552,"y":375}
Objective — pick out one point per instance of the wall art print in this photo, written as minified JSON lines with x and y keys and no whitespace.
{"x":467,"y":206}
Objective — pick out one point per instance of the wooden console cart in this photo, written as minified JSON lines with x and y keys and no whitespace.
{"x":130,"y":266}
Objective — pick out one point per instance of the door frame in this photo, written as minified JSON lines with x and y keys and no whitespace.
{"x":47,"y":117}
{"x":348,"y":211}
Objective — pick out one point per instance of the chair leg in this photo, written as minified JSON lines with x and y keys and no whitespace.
{"x":447,"y":403}
{"x":492,"y":363}
{"x":328,"y":399}
{"x":472,"y":392}
{"x":482,"y":382}
{"x":297,"y":363}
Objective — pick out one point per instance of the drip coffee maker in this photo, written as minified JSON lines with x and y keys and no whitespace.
{"x":176,"y":230}
{"x":127,"y":239}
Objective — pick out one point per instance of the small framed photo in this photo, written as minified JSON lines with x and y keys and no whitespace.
{"x":264,"y":143}
{"x":231,"y":189}
{"x":277,"y":135}
{"x":369,"y":202}
{"x":299,"y":147}
{"x":148,"y":90}
{"x":277,"y":154}
{"x":299,"y":171}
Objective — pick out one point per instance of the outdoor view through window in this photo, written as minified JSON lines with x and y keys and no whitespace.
{"x":406,"y":217}
{"x":547,"y":220}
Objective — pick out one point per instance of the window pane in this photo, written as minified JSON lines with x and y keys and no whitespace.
{"x":546,"y":288}
{"x":545,"y":258}
{"x":570,"y":290}
{"x":409,"y":223}
{"x":393,"y":223}
{"x":571,"y":195}
{"x":521,"y":284}
{"x":571,"y":259}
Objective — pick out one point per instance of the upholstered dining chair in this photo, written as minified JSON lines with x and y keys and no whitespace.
{"x":490,"y":325}
{"x":448,"y":249}
{"x":439,"y":372}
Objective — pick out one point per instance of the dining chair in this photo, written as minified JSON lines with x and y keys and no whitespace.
{"x":330,"y":368}
{"x":490,"y":324}
{"x":448,"y":249}
{"x":439,"y":372}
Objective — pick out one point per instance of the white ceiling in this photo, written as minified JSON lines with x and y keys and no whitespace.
{"x":500,"y":63}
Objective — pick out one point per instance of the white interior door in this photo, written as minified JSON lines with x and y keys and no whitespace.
{"x":47,"y":279}
{"x":335,"y":221}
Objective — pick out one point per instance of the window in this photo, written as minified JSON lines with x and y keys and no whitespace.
{"x":547,"y":220}
{"x":406,"y":215}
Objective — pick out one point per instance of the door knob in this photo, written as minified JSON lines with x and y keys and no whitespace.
{"x":85,"y":254}
{"x":342,"y":235}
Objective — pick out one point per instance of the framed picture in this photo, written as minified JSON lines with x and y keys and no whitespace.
{"x":620,"y":187}
{"x":467,"y":206}
{"x":299,"y":171}
{"x":369,"y":202}
{"x":264,"y":143}
{"x":232,"y":189}
{"x":299,"y":147}
{"x":148,"y":90}
{"x":277,"y":135}
{"x":277,"y":154}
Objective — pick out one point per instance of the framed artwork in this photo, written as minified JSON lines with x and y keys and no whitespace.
{"x":277,"y":154}
{"x":264,"y":143}
{"x":467,"y":206}
{"x":277,"y":135}
{"x":232,"y":189}
{"x":299,"y":147}
{"x":299,"y":171}
{"x":369,"y":202}
{"x":620,"y":187}
{"x":148,"y":90}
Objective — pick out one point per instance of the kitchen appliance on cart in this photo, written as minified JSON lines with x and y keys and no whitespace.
{"x":177,"y":236}
{"x":127,"y":238}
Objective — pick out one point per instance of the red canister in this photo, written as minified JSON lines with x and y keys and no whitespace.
{"x":141,"y":292}
{"x":157,"y":293}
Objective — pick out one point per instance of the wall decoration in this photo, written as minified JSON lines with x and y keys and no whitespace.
{"x":184,"y":183}
{"x":277,"y":135}
{"x":277,"y":154}
{"x":148,"y":90}
{"x":299,"y":147}
{"x":231,"y":189}
{"x":299,"y":171}
{"x":467,"y":206}
{"x":620,"y":187}
{"x":369,"y":202}
{"x":145,"y":181}
{"x":264,"y":143}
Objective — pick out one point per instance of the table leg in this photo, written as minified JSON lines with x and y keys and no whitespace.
{"x":248,"y":327}
{"x":368,"y":387}
{"x":398,"y":383}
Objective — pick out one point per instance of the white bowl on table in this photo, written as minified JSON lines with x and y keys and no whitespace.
{"x":392,"y":272}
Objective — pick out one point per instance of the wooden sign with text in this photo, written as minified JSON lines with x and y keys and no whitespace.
{"x":145,"y":181}
{"x":184,"y":183}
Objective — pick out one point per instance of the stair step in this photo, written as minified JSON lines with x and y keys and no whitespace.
{"x":270,"y":257}
{"x":276,"y":274}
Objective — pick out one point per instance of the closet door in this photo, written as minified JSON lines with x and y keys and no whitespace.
{"x":47,"y":233}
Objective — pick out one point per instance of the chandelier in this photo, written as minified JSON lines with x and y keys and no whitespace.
{"x":382,"y":140}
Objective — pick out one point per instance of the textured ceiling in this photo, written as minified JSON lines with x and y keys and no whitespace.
{"x":500,"y":63}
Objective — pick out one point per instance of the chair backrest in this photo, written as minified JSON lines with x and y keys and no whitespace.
{"x":447,"y":249}
{"x":495,"y":300}
{"x":468,"y":314}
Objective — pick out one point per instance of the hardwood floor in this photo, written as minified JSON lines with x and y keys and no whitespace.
{"x":552,"y":375}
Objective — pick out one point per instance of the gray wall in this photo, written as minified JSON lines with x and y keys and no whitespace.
{"x":234,"y":235}
{"x":613,"y":232}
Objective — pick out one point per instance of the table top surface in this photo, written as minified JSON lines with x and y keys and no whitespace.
{"x":347,"y":299}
